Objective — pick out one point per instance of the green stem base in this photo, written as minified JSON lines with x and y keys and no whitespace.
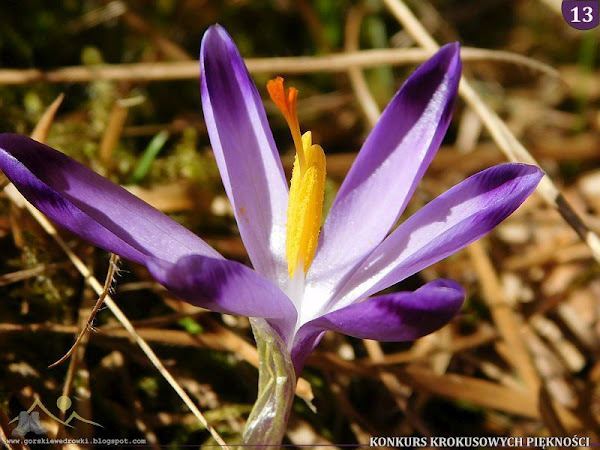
{"x":276,"y":386}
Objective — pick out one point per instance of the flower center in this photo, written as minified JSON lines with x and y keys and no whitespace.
{"x":307,"y":186}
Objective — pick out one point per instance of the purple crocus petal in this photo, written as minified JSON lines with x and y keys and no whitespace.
{"x":401,"y":316}
{"x":245,"y":152}
{"x":92,"y":207}
{"x":447,"y":224}
{"x":304,"y":344}
{"x":227,"y":287}
{"x":389,"y":166}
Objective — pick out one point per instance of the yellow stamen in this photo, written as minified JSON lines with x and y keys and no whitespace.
{"x":307,"y":186}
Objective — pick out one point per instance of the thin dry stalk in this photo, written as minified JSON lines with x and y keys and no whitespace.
{"x":189,"y":70}
{"x":110,"y":276}
{"x":20,"y":275}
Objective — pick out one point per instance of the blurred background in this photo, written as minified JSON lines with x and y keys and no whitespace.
{"x":520,"y":360}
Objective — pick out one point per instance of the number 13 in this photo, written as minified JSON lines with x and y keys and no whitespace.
{"x":587,"y":14}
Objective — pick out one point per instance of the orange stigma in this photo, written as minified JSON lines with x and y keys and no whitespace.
{"x":286,"y":102}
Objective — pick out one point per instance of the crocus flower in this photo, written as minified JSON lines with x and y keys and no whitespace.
{"x":305,"y":280}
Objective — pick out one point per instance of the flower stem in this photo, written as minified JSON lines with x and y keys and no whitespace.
{"x":276,"y":385}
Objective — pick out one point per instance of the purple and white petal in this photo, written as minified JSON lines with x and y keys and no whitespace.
{"x":388,"y":167}
{"x":227,"y":287}
{"x":445,"y":225}
{"x":401,"y":316}
{"x":245,"y":152}
{"x":92,"y":207}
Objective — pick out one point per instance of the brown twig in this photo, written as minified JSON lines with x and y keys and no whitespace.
{"x":110,"y":276}
{"x":189,"y":70}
